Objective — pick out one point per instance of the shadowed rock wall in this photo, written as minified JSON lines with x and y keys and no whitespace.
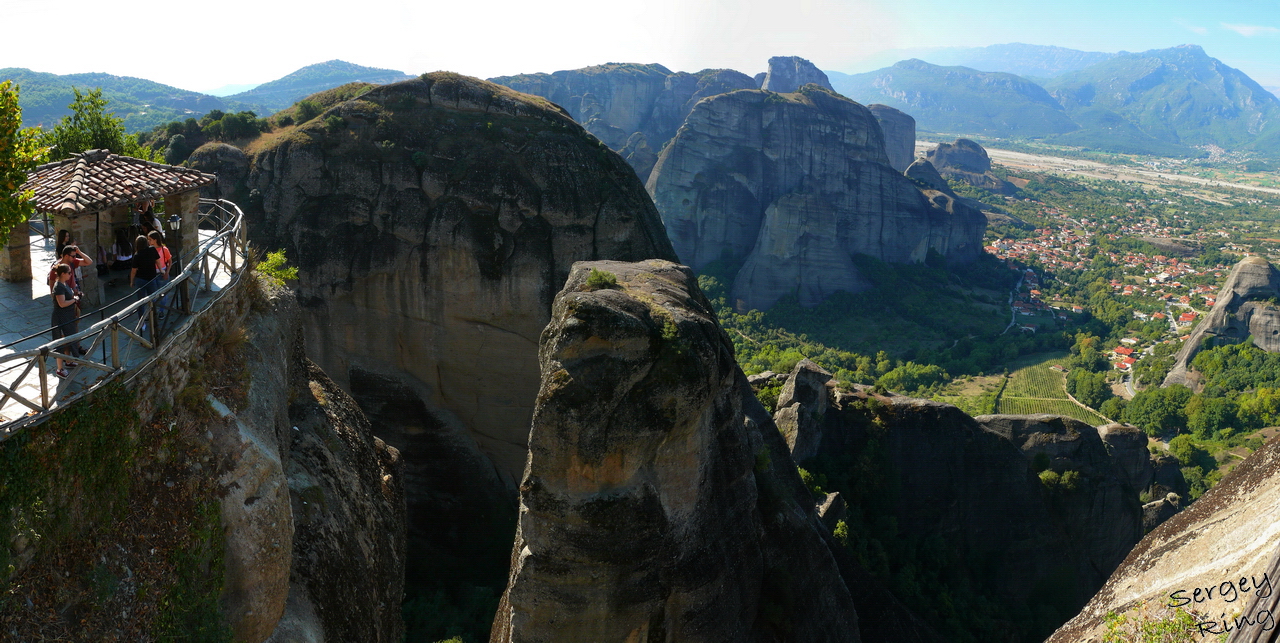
{"x":659,"y":502}
{"x":432,"y":221}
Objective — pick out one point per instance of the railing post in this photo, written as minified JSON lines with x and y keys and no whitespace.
{"x":184,"y":294}
{"x":44,"y":376}
{"x":115,"y":344}
{"x":151,"y":319}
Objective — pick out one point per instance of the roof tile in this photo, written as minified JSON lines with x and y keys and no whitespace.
{"x":97,"y":180}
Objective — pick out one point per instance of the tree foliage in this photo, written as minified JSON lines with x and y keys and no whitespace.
{"x":20,"y":151}
{"x":91,"y":127}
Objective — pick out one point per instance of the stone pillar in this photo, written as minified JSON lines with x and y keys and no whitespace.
{"x":15,"y":257}
{"x":184,"y":242}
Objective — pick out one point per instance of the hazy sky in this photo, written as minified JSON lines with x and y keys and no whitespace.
{"x":201,"y":46}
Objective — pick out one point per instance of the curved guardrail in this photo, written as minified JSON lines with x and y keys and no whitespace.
{"x":126,"y":340}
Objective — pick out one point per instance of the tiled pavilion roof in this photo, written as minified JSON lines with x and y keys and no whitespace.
{"x":97,"y":180}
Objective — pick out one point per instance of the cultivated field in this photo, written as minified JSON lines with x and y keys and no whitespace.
{"x":1037,"y":388}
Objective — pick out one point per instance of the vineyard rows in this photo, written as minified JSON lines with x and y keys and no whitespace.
{"x":1023,"y":406}
{"x":1036,"y":381}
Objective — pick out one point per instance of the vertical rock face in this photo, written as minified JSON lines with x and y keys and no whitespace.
{"x":1228,"y":535}
{"x":803,"y":402}
{"x":1245,"y":308}
{"x":967,"y":161}
{"x":970,"y":486}
{"x":433,"y":221}
{"x":793,"y":185}
{"x":634,"y":109}
{"x":659,"y":502}
{"x":313,"y":508}
{"x":899,"y":135}
{"x":789,"y":73}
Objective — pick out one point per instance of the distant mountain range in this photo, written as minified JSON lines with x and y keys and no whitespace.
{"x":1164,"y":101}
{"x":1036,"y":62}
{"x":141,"y":103}
{"x":144,"y":104}
{"x":283,"y":92}
{"x":960,"y":99}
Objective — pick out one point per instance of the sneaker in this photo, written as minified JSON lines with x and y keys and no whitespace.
{"x":62,"y":373}
{"x":71,"y":366}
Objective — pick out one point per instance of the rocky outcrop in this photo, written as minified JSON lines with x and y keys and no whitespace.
{"x":1228,"y":537}
{"x":899,"y":135}
{"x":633,"y":108}
{"x":1246,"y":307}
{"x":313,"y":505}
{"x":794,"y":185}
{"x":967,"y":161}
{"x":803,"y":402}
{"x":229,"y":163}
{"x":787,"y":74}
{"x":940,"y":476}
{"x":659,"y":501}
{"x":432,"y":222}
{"x":1158,"y":511}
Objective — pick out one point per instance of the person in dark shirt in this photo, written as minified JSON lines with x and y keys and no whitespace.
{"x":64,"y":320}
{"x":146,"y":265}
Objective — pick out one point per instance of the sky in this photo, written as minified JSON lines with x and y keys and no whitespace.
{"x":201,"y":46}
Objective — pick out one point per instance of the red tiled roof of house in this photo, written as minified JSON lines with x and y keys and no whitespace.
{"x":96,"y":180}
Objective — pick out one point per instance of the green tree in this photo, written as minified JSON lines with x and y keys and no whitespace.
{"x":1090,"y":388}
{"x":1159,"y":411}
{"x":20,"y":151}
{"x":91,"y":127}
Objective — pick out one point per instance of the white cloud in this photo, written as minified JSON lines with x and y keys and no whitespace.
{"x":1249,"y":31}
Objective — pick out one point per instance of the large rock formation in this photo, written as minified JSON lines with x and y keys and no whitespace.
{"x":787,"y":74}
{"x":313,"y":506}
{"x":432,"y":222}
{"x":659,"y":502}
{"x":1246,"y":307}
{"x":793,"y":185}
{"x":968,"y":162}
{"x":899,"y":135}
{"x":633,"y":108}
{"x":1215,"y":559}
{"x":966,"y":489}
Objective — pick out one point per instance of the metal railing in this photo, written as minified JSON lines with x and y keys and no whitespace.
{"x":128,"y":338}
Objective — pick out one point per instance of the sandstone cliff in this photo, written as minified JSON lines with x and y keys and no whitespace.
{"x":967,"y":161}
{"x":787,"y":74}
{"x":793,"y":185}
{"x":659,"y":502}
{"x":634,"y":109}
{"x":899,"y":135}
{"x":433,"y":221}
{"x":313,"y":503}
{"x":1226,"y":540}
{"x":1245,"y":307}
{"x":919,"y":476}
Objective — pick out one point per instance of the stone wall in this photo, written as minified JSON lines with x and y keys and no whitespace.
{"x":158,"y":380}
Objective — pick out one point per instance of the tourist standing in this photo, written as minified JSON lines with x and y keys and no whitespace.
{"x":146,"y":266}
{"x":64,"y":320}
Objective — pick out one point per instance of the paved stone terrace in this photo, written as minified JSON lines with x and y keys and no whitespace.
{"x":26,"y":309}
